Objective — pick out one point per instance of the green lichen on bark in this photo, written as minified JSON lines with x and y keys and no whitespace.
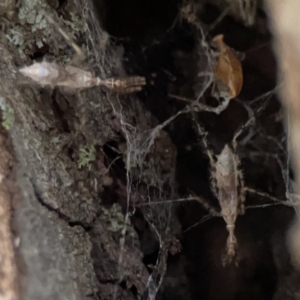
{"x":7,"y":114}
{"x":87,"y":155}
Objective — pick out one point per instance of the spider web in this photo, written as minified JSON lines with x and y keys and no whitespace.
{"x":143,"y":174}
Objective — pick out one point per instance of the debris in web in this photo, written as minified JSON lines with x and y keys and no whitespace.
{"x":228,"y":72}
{"x":226,"y":75}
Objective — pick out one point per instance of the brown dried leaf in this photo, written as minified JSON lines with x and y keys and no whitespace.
{"x":228,"y":70}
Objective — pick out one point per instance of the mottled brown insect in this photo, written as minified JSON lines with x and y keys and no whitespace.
{"x":227,"y":185}
{"x":125,"y":85}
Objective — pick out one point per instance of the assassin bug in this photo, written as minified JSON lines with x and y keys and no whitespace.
{"x":227,"y":185}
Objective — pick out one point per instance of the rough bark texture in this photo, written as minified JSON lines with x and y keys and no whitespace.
{"x":59,"y":202}
{"x":9,"y":196}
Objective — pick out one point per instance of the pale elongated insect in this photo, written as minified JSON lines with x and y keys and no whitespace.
{"x":52,"y":74}
{"x":228,"y":187}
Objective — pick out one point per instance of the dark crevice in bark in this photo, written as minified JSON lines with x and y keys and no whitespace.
{"x":60,"y":215}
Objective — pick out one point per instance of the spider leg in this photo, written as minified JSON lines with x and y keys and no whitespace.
{"x":202,"y":135}
{"x":266,"y":195}
{"x":254,"y":113}
{"x":236,"y":136}
{"x":242,"y":193}
{"x":208,"y":207}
